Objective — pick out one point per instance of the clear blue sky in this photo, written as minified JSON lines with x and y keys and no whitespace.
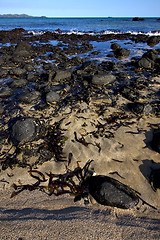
{"x":82,"y":8}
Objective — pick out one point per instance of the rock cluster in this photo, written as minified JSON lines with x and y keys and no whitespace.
{"x":41,"y":81}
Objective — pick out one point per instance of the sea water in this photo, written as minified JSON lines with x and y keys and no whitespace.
{"x":150,"y":26}
{"x":92,"y":26}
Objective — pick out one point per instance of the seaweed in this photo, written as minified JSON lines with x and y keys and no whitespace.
{"x":82,"y":182}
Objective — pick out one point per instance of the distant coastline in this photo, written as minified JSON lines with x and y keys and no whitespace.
{"x":19,"y":16}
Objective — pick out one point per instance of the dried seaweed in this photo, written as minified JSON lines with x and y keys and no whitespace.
{"x":80,"y":183}
{"x":70,"y":182}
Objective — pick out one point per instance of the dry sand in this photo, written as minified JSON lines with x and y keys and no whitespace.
{"x":36,"y":216}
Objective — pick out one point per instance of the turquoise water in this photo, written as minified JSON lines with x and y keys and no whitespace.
{"x":81,"y":25}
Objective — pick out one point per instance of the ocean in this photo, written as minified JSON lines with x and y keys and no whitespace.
{"x":150,"y":26}
{"x":91,"y":26}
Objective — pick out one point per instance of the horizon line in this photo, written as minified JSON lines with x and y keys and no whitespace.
{"x":80,"y":16}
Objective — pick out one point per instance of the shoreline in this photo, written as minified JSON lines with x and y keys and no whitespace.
{"x":59,"y":35}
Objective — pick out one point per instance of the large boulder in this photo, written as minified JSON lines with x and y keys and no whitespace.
{"x":121,"y":53}
{"x":138,"y":19}
{"x":145,"y":63}
{"x":101,"y":79}
{"x":148,"y":59}
{"x":5,"y":92}
{"x":62,"y":75}
{"x":18,"y":72}
{"x":52,"y":97}
{"x":152,"y":41}
{"x":3,"y":73}
{"x":30,"y":97}
{"x":129,"y":93}
{"x":18,"y":83}
{"x":23,"y":49}
{"x":151,"y":54}
{"x":2,"y":109}
{"x":56,"y":88}
{"x":25,"y":130}
{"x":115,"y":46}
{"x":140,"y":108}
{"x":155,"y":143}
{"x":110,"y":192}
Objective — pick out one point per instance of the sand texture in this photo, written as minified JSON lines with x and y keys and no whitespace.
{"x":36,"y":216}
{"x":89,"y":113}
{"x":126,"y":157}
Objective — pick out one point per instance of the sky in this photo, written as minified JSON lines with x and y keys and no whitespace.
{"x":82,"y":8}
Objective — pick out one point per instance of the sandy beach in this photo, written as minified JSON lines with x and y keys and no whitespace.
{"x":36,"y":216}
{"x":53,"y":106}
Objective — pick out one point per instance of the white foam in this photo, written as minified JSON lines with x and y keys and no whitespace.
{"x":107,"y":32}
{"x":36,"y":33}
{"x":156,"y":33}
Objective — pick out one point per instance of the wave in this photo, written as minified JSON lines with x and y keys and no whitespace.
{"x":92,"y":33}
{"x":155,"y":33}
{"x":36,"y":33}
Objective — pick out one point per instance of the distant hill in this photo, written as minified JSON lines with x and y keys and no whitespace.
{"x":17,"y":16}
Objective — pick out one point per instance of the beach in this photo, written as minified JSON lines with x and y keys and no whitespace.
{"x":36,"y":216}
{"x":68,"y":98}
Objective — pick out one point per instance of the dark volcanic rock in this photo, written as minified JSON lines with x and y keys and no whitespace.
{"x":76,"y":61}
{"x":157,"y":66}
{"x":56,"y":88}
{"x":136,"y":107}
{"x":122,"y":53}
{"x":110,"y":192}
{"x":52,"y":97}
{"x":129,"y":93}
{"x":109,"y":66}
{"x":12,"y":36}
{"x":95,"y":53}
{"x":89,"y":67}
{"x":22,"y":50}
{"x":23,"y":46}
{"x":31,"y":77}
{"x":48,"y":66}
{"x":140,"y":108}
{"x":145,"y":63}
{"x":30,"y":97}
{"x":1,"y":109}
{"x":155,"y":143}
{"x":155,"y":179}
{"x":1,"y":60}
{"x":138,"y":19}
{"x":3,"y":73}
{"x":62,"y":75}
{"x":148,"y":109}
{"x":141,"y":83}
{"x":152,"y":41}
{"x":18,"y":72}
{"x":18,"y":83}
{"x":122,"y":75}
{"x":101,"y":79}
{"x":115,"y":46}
{"x":25,"y":130}
{"x":151,"y":54}
{"x":5,"y":92}
{"x":29,"y":67}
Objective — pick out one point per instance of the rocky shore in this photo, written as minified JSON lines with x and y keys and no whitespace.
{"x":54,"y":102}
{"x":57,"y":107}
